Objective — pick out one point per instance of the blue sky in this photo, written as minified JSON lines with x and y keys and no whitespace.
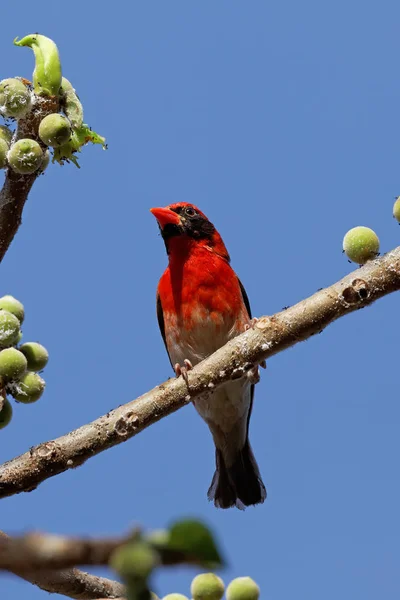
{"x":280,"y":120}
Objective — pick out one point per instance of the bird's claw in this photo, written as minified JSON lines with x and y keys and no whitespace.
{"x":183,"y":370}
{"x":248,"y":326}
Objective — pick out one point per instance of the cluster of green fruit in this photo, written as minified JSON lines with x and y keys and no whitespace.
{"x":64,"y":133}
{"x":19,"y":365}
{"x":361,"y":244}
{"x":209,"y":586}
{"x":61,"y":132}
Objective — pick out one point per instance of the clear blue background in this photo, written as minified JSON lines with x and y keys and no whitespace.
{"x":281,"y":121}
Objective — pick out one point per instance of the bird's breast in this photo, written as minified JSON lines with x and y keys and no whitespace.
{"x":203,"y":308}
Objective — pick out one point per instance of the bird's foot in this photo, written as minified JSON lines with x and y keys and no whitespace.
{"x":248,"y":326}
{"x":183,"y":370}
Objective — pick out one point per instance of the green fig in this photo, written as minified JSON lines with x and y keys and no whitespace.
{"x":9,"y":329}
{"x":14,"y":306}
{"x":13,"y":364}
{"x":361,"y":244}
{"x":25,"y":156}
{"x":175,"y":597}
{"x":242,"y":588}
{"x":207,"y":586}
{"x":15,"y":98}
{"x":396,"y":209}
{"x":36,"y":355}
{"x":55,"y":130}
{"x":134,"y":560}
{"x":28,"y":389}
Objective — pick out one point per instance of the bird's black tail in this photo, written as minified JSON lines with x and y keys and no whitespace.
{"x":238,"y":485}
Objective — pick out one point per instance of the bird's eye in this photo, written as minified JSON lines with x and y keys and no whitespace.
{"x":189,"y":211}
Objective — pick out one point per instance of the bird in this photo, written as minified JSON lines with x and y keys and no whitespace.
{"x":201,"y":305}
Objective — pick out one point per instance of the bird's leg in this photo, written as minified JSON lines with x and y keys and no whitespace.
{"x":248,"y":326}
{"x":183,"y":370}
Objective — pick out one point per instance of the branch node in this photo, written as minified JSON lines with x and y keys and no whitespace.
{"x":127,"y":424}
{"x":263,"y":323}
{"x":46,"y":451}
{"x":356,"y":292}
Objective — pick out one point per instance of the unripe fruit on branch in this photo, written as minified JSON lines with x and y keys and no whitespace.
{"x":9,"y":329}
{"x":14,"y":306}
{"x":3,"y":153}
{"x":36,"y":355}
{"x":242,"y":588}
{"x":15,"y":98}
{"x":134,"y":560}
{"x":5,"y":413}
{"x":175,"y":597}
{"x":361,"y":244}
{"x":25,"y":156}
{"x":6,"y":134}
{"x":29,"y":388}
{"x":207,"y":586}
{"x":13,"y":364}
{"x":396,"y":209}
{"x":55,"y":130}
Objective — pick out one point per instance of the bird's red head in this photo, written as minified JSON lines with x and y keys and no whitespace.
{"x":183,"y":223}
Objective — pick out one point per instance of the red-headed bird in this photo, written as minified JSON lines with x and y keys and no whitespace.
{"x":201,"y":304}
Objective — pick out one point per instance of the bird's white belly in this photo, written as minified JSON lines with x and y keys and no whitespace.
{"x":199,"y":341}
{"x":226,"y":410}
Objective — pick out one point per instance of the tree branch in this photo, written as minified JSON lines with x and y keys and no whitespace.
{"x":269,"y":336}
{"x":37,"y":551}
{"x":17,"y":187}
{"x":70,"y":582}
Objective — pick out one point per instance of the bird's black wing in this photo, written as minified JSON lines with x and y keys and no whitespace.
{"x":161,"y":324}
{"x":245,"y":297}
{"x":247,"y":305}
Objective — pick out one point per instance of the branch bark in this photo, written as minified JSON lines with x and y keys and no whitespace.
{"x":269,"y":336}
{"x":68,"y":582}
{"x":37,"y":551}
{"x":17,"y":187}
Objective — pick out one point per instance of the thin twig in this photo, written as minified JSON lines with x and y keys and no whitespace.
{"x":269,"y":336}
